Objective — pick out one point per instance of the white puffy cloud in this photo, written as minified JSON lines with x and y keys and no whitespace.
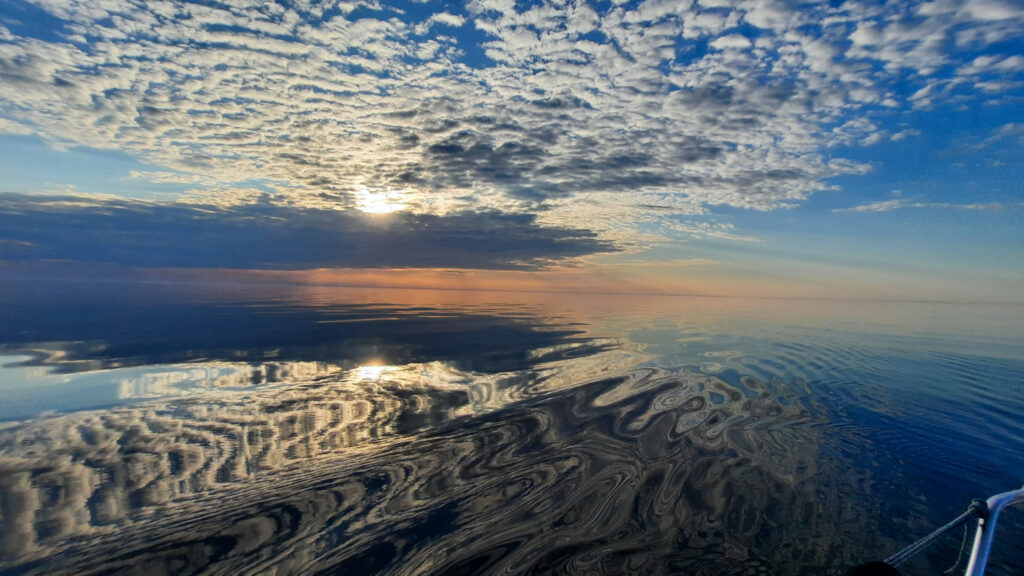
{"x":448,"y":19}
{"x":731,"y":41}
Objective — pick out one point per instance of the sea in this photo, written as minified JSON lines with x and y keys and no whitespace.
{"x":186,"y":427}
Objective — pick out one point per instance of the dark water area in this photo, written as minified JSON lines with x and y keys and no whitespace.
{"x":152,"y":428}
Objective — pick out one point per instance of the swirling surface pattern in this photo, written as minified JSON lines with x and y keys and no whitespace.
{"x":565,"y":445}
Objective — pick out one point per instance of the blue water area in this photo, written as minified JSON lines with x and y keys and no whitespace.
{"x":187,"y":428}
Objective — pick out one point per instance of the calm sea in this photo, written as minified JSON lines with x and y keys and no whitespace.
{"x":155,"y":428}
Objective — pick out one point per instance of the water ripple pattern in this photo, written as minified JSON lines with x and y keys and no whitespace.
{"x":601,"y":478}
{"x":321,"y":431}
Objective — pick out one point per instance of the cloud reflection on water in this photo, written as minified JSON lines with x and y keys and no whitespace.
{"x":206,"y":393}
{"x":78,"y":327}
{"x":650,"y":471}
{"x":307,"y":429}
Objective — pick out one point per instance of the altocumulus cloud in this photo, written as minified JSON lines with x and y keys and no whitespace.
{"x":259,"y":235}
{"x":536,"y":107}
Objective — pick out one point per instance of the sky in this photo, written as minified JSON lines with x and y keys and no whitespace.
{"x":756,"y":148}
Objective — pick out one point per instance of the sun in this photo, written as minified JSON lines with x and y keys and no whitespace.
{"x":380,"y":201}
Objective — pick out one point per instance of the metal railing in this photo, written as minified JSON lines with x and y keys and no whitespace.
{"x":987,"y":528}
{"x":987,"y":512}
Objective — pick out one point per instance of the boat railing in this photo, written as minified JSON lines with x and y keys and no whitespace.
{"x":987,"y":528}
{"x":987,"y":513}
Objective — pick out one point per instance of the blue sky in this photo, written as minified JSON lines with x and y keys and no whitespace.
{"x":857,"y":149}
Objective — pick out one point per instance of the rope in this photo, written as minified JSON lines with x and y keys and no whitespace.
{"x":977,"y":508}
{"x":959,"y":564}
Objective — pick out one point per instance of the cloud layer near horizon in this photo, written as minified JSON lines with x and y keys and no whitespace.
{"x":617,"y":114}
{"x":163,"y":234}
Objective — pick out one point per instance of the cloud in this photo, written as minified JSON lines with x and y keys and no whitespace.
{"x":534,"y":109}
{"x":669,"y":264}
{"x":448,"y":19}
{"x":900,"y":203}
{"x":881,"y":206}
{"x":1012,"y":131}
{"x":9,"y":127}
{"x":737,"y":41}
{"x":171,"y":177}
{"x":259,"y":235}
{"x":904,"y":134}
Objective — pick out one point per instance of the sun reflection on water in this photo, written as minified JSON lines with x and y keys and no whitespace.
{"x":374,"y":372}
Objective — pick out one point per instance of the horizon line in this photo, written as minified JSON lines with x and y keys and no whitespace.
{"x":569,"y":291}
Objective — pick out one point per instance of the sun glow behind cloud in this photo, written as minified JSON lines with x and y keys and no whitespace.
{"x":380,"y":201}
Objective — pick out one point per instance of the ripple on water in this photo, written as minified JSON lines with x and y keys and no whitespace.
{"x":796,"y":469}
{"x":601,"y":478}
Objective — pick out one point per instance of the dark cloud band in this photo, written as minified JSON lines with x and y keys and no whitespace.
{"x":154,"y":234}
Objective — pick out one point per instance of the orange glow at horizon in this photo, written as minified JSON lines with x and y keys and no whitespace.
{"x":684,"y":279}
{"x":588,"y":280}
{"x":692,"y":277}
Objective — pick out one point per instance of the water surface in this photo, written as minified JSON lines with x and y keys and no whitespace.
{"x":224,"y":429}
